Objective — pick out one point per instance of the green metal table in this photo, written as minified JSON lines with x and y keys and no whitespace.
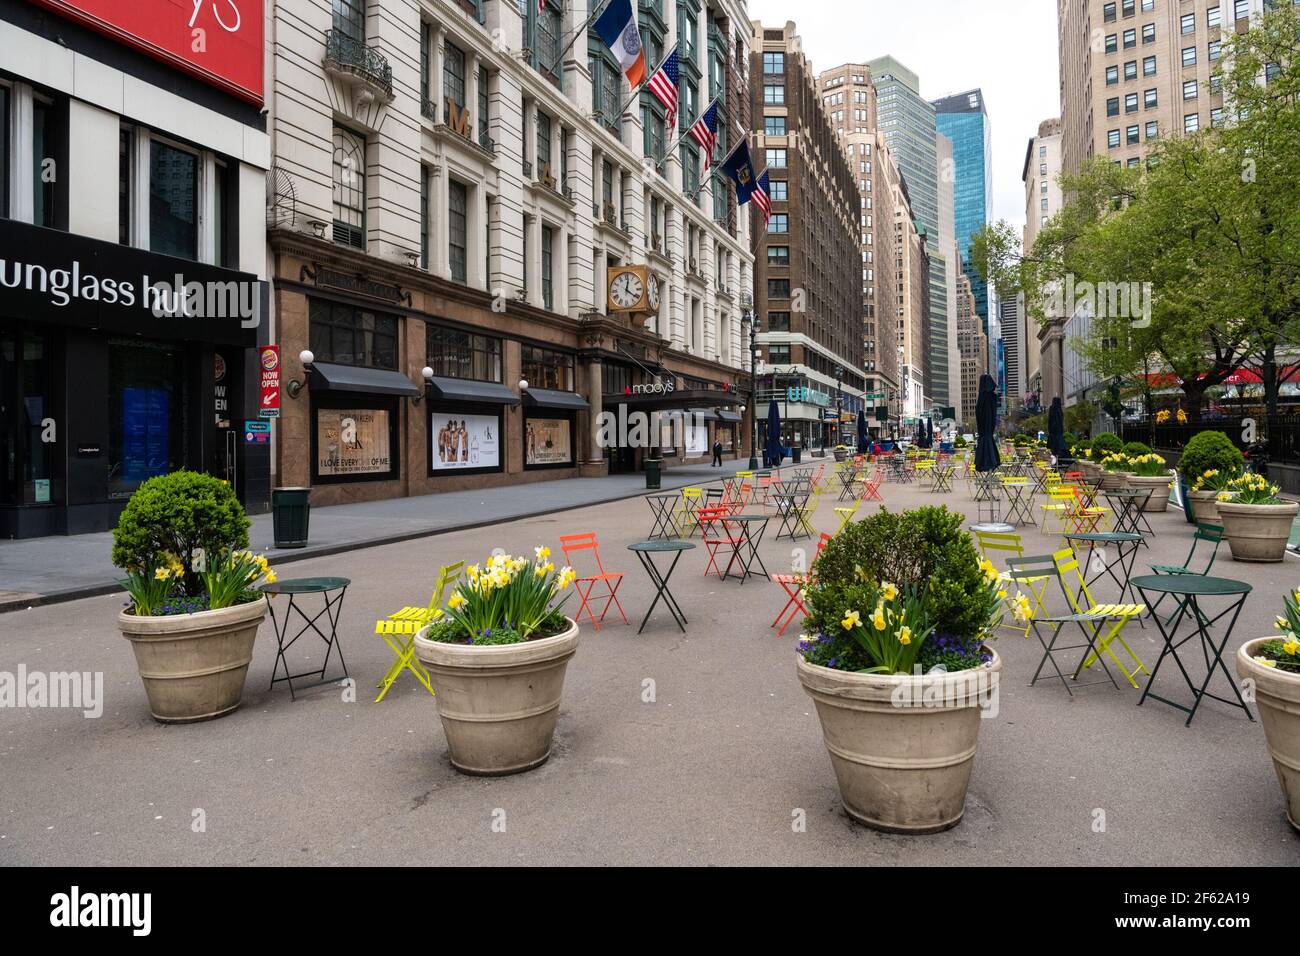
{"x":747,"y":549}
{"x":294,"y":587}
{"x":1192,"y":589}
{"x":1127,"y":504}
{"x":661,"y":510}
{"x":1125,"y":542}
{"x":645,"y":551}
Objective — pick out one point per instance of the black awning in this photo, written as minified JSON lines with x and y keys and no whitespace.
{"x":703,"y":414}
{"x":354,"y":378}
{"x":463,"y":390}
{"x":727,"y":415}
{"x":551,"y":398}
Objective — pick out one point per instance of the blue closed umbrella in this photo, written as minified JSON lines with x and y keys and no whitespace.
{"x":862,"y":431}
{"x":929,"y":433}
{"x":774,"y":450}
{"x":986,"y":424}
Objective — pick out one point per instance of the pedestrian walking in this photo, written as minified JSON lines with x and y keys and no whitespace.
{"x":717,"y":454}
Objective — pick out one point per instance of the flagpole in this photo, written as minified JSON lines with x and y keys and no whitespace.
{"x":600,"y":8}
{"x":668,"y":150}
{"x":641,"y":86}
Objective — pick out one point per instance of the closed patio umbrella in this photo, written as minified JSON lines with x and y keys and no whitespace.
{"x":1056,"y":429}
{"x":986,"y":423}
{"x":862,"y":431}
{"x":773,"y":449}
{"x":929,"y":433}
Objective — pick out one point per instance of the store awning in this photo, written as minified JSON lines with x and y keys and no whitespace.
{"x":463,"y":390}
{"x":327,"y":376}
{"x":703,"y":414}
{"x":551,"y":398}
{"x":726,"y":415}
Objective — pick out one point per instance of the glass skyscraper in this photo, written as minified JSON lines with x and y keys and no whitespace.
{"x":964,"y":120}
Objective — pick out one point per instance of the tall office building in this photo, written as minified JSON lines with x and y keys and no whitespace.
{"x":973,"y":347}
{"x":1011,"y":320}
{"x":1133,"y":71}
{"x":807,"y":295}
{"x":945,"y":362}
{"x":964,"y":119}
{"x":849,"y":99}
{"x":1044,"y":361}
{"x":907,"y":121}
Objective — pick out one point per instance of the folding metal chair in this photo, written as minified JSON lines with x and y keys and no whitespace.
{"x":585,"y":584}
{"x":793,"y":585}
{"x":718,"y":537}
{"x":1212,"y":534}
{"x":1120,"y":614}
{"x":871,"y":485}
{"x":399,"y":628}
{"x":846,"y":515}
{"x":687,"y":525}
{"x":1010,"y":545}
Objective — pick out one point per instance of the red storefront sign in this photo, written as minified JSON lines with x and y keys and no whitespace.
{"x":219,"y":41}
{"x":269,"y":363}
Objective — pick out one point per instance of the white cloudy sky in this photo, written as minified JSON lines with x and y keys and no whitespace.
{"x":1005,"y":47}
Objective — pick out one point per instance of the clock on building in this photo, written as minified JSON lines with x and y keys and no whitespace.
{"x":633,"y":289}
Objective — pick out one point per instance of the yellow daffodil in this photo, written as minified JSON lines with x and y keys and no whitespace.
{"x":851,"y":620}
{"x":1292,"y":646}
{"x":878,"y":621}
{"x":567,"y":575}
{"x":542,"y":552}
{"x":890,"y":592}
{"x":162,"y":574}
{"x":455,"y":601}
{"x":1281,"y":624}
{"x":905,"y":636}
{"x":270,"y":577}
{"x":1266,"y":662}
{"x":540,"y":571}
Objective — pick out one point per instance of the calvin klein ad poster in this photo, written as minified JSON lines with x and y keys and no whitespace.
{"x":461,"y":441}
{"x":547,"y":442}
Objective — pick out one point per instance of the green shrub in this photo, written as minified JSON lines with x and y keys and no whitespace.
{"x":1080,"y":447}
{"x":1135,"y":449}
{"x":1107,"y":443}
{"x":170,"y":516}
{"x":926,"y":548}
{"x":1210,"y":451}
{"x":1070,"y":439}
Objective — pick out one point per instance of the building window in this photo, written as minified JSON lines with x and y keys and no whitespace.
{"x":453,"y":74}
{"x":778,"y":255}
{"x":1130,"y":102}
{"x":778,"y":321}
{"x":1189,"y":56}
{"x":1149,"y":66}
{"x":543,"y":141}
{"x":1240,"y":9}
{"x":780,"y":190}
{"x":774,"y":125}
{"x":173,"y":201}
{"x":457,"y":229}
{"x":548,"y":285}
{"x":1112,"y":106}
{"x":1112,"y":139}
{"x":348,"y":336}
{"x":546,"y":368}
{"x":484,"y":95}
{"x":1112,"y":43}
{"x":125,"y":166}
{"x":779,"y":223}
{"x":1213,"y":17}
{"x":453,"y":353}
{"x":774,"y":94}
{"x":773,"y":64}
{"x":1108,"y":13}
{"x":1131,"y":135}
{"x":1150,"y":98}
{"x":778,"y":288}
{"x":1216,"y":117}
{"x":1128,"y":6}
{"x":1214,"y":50}
{"x":1189,"y":89}
{"x":424,"y":217}
{"x":1130,"y":39}
{"x":776,"y":158}
{"x":778,"y":355}
{"x":1153,"y":130}
{"x":1131,"y":70}
{"x":1187,"y":23}
{"x":605,"y":87}
{"x":1112,"y":75}
{"x":1149,"y":33}
{"x":349,"y":188}
{"x":1191,"y":122}
{"x":350,"y":18}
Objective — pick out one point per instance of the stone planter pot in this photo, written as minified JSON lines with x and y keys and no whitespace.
{"x":1159,"y":485}
{"x":902,"y":746}
{"x":498,"y":704}
{"x":1278,"y":695}
{"x":1205,"y":506}
{"x":1257,"y":532}
{"x":1112,"y":480}
{"x":840,"y":454}
{"x":193,"y":665}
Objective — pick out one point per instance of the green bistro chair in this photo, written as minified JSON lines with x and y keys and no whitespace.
{"x":1212,"y":536}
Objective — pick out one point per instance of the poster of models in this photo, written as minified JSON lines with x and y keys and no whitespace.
{"x":546,"y":442}
{"x":352,"y":441}
{"x":464,"y":441}
{"x":697,"y":438}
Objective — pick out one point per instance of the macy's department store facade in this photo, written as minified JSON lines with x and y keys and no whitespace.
{"x":362,"y":423}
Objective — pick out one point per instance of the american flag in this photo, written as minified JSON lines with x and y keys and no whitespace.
{"x":762,"y":197}
{"x":541,"y":7}
{"x":705,"y":132}
{"x":663,"y":84}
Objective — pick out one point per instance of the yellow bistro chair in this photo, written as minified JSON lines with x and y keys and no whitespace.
{"x":399,"y":628}
{"x":1009,"y":545}
{"x":685,"y":519}
{"x":846,"y":515}
{"x":1067,"y":564}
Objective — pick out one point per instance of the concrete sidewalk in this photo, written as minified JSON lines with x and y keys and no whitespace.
{"x":66,"y":567}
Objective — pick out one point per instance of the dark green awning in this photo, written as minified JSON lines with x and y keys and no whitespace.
{"x":464,"y":390}
{"x":326,"y":376}
{"x":552,"y":398}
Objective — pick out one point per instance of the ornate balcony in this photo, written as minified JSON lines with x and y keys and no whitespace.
{"x":350,"y":59}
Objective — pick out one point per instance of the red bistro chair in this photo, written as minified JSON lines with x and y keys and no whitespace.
{"x":586,"y":584}
{"x":719,"y":538}
{"x":793,"y":584}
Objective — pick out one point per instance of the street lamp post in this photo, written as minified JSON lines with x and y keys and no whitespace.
{"x":839,"y":404}
{"x":747,"y":303}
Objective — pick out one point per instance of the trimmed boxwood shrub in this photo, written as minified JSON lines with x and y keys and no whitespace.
{"x":173,"y":515}
{"x":927,"y":547}
{"x":1135,"y":448}
{"x":1210,"y":450}
{"x":1107,"y":443}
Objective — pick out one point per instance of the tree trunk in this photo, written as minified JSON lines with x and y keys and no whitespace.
{"x":1195,"y":397}
{"x":1269,"y":375}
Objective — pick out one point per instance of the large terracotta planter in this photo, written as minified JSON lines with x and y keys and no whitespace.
{"x":1278,"y":695}
{"x":1159,"y":485}
{"x":193,"y":665}
{"x":902,"y":746}
{"x":1205,"y":506}
{"x":1257,"y":532}
{"x":498,"y":704}
{"x":1112,"y":480}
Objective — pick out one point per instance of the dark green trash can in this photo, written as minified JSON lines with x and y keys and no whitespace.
{"x":653,"y":473}
{"x":290,"y":513}
{"x":796,"y":454}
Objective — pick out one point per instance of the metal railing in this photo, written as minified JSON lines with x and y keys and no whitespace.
{"x":351,"y":55}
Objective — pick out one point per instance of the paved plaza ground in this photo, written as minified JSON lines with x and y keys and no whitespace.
{"x":712,"y":771}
